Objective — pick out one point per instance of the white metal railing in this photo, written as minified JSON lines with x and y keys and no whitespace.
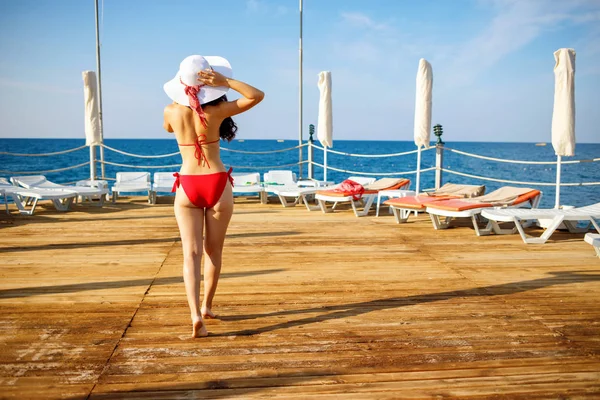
{"x":372,"y":173}
{"x":45,"y":171}
{"x":405,"y":153}
{"x":266,"y":152}
{"x":7,"y":153}
{"x":486,"y":178}
{"x":438,"y":168}
{"x":464,"y":153}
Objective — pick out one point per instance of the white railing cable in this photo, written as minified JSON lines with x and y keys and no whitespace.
{"x":177,"y":152}
{"x":581,"y":161}
{"x":263,"y":152}
{"x":139,"y":166}
{"x":373,"y":173}
{"x":139,"y":155}
{"x":179,"y":165}
{"x":370,"y":155}
{"x":5,"y":172}
{"x":485,"y":178}
{"x":464,"y":153}
{"x":267,"y":167}
{"x":7,"y":153}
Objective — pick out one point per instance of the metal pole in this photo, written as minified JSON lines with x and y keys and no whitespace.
{"x":439,"y":164}
{"x":300,"y":98}
{"x":92,"y":162}
{"x":310,"y":160}
{"x":311,"y":132}
{"x":99,"y":90}
{"x":558,"y":167}
{"x":418,"y":184}
{"x":325,"y":163}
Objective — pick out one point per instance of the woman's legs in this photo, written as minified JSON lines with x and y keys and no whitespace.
{"x":216,"y":222}
{"x":190,"y":221}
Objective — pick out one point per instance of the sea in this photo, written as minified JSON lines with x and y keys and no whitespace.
{"x":277,"y":156}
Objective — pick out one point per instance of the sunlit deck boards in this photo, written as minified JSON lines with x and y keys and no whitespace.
{"x":312,"y":306}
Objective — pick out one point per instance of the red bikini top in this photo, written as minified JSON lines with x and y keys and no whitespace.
{"x":199,"y":153}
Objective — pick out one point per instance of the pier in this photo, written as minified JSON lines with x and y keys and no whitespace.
{"x":311,"y":305}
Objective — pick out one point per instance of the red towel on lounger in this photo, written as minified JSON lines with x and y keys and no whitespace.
{"x":351,"y":188}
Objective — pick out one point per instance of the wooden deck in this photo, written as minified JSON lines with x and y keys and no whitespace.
{"x":92,"y":305}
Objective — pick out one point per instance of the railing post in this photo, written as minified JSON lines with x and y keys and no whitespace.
{"x":439,"y":155}
{"x":92,"y":162}
{"x":311,"y":132}
{"x":102,"y":161}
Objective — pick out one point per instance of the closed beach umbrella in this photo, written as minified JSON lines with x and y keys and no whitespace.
{"x":325,"y":122}
{"x":563,"y":114}
{"x":93,"y":132}
{"x":423,"y":112}
{"x":92,"y":115}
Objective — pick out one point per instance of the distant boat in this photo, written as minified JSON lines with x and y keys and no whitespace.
{"x":240,"y":140}
{"x":280,"y":140}
{"x":540,"y":144}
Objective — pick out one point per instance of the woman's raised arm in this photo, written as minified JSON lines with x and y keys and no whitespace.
{"x":251,"y":95}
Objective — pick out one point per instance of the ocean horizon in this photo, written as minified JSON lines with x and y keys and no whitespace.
{"x":527,"y":151}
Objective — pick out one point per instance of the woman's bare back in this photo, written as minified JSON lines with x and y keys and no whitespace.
{"x":188,"y":130}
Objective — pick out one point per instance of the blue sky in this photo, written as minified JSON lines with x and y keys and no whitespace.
{"x":492,"y":63}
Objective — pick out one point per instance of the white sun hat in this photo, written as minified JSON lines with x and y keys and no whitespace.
{"x":188,"y":75}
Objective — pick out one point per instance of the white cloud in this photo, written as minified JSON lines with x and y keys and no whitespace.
{"x":360,"y":20}
{"x":516,"y":24}
{"x":253,"y":5}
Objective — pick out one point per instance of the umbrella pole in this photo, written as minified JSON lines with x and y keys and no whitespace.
{"x":558,"y":161}
{"x":99,"y":92}
{"x":92,"y":162}
{"x":300,"y":97}
{"x":418,"y":186}
{"x":325,"y":163}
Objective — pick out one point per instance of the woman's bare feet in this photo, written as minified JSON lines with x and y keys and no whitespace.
{"x":198,"y":328}
{"x":207,"y":313}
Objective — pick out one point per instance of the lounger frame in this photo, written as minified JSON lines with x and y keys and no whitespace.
{"x":85,"y":190}
{"x":594,"y":240}
{"x":567,"y":217}
{"x":360,"y":207}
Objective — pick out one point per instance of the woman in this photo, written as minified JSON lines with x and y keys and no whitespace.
{"x":200,"y":116}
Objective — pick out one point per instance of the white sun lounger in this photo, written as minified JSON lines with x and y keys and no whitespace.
{"x":594,"y":240}
{"x":276,"y":180}
{"x":132,"y":182}
{"x":22,"y":197}
{"x":5,"y":199}
{"x":248,"y":183}
{"x":299,"y":194}
{"x":280,"y":177}
{"x":402,"y":207}
{"x":569,"y":217}
{"x":472,"y":208}
{"x":163,"y":183}
{"x":366,"y":200}
{"x":40,"y":182}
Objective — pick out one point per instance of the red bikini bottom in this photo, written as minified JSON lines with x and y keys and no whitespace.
{"x":204,"y":191}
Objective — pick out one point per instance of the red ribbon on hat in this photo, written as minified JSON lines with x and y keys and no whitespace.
{"x":192,"y":93}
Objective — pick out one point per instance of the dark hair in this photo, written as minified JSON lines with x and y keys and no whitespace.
{"x":228,"y":128}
